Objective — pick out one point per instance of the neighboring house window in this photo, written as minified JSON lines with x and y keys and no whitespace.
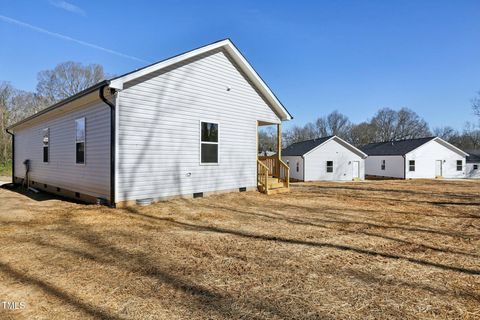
{"x":298,"y":166}
{"x":329,"y":166}
{"x":459,"y":165}
{"x":475,"y":167}
{"x":209,"y":142}
{"x":80,"y":140}
{"x":411,"y":165}
{"x":46,"y":143}
{"x":382,"y":166}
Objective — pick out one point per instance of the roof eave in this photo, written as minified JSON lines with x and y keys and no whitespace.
{"x":61,"y":103}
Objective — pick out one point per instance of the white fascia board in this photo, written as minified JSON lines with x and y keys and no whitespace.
{"x":445,"y":144}
{"x":117,"y":83}
{"x":352,"y":147}
{"x":320,"y":145}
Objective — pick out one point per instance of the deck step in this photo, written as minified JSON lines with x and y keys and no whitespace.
{"x":273,"y":185}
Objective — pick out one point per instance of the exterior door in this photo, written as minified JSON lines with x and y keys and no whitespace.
{"x":438,"y":168}
{"x":356,"y":169}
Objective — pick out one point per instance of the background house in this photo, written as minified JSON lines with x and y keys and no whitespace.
{"x":328,"y":158}
{"x":473,"y":164}
{"x":183,"y":126}
{"x":428,"y":158}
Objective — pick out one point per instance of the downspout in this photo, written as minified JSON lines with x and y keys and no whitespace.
{"x":112,"y":144}
{"x":404,"y":167}
{"x":303,"y":164}
{"x":13,"y":155}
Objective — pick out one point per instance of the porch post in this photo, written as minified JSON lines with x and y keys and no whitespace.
{"x":279,"y":148}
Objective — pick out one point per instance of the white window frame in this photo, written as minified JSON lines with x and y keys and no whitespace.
{"x":411,"y":165}
{"x":327,"y":166}
{"x":47,"y":130}
{"x":461,"y":165}
{"x":383,"y":164}
{"x":80,"y":141}
{"x":208,"y":142}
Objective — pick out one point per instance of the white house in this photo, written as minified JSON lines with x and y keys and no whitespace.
{"x":184,"y":126}
{"x":473,"y":164}
{"x":328,"y":158}
{"x":426,"y":158}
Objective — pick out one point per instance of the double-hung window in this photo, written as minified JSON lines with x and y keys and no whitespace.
{"x":80,"y":141}
{"x":46,"y":144}
{"x":411,"y":165}
{"x":329,"y":166}
{"x":475,"y":167}
{"x":382,"y":165}
{"x":209,"y":143}
{"x":459,"y":165}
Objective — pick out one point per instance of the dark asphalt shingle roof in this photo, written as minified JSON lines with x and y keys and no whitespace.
{"x":474,"y":156}
{"x":394,"y":148}
{"x":300,"y":148}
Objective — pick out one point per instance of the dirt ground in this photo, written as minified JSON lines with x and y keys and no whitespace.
{"x":358,"y":250}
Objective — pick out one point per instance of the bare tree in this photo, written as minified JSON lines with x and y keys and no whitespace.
{"x":447,"y":133}
{"x":267,"y":139}
{"x":476,"y":105}
{"x":333,"y":124}
{"x":361,"y":134}
{"x":397,"y":125}
{"x":67,"y":79}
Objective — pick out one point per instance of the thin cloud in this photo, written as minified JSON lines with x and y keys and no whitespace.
{"x":64,"y":37}
{"x":67,"y":6}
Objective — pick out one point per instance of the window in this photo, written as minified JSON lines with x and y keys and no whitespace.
{"x":329,"y":166}
{"x":298,"y":166}
{"x":46,"y":143}
{"x":209,"y":142}
{"x":80,"y":140}
{"x":459,"y":165}
{"x":475,"y":167}
{"x":382,"y":166}
{"x":411,"y":165}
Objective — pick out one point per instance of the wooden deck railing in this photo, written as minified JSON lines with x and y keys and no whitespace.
{"x":262,"y":176}
{"x":272,"y":166}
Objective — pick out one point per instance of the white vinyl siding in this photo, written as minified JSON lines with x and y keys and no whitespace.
{"x":62,"y":171}
{"x":293,"y":163}
{"x":394,"y":166}
{"x":159,"y":115}
{"x":332,"y":161}
{"x":426,"y":156}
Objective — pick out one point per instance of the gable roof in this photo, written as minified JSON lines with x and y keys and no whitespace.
{"x":235,"y":54}
{"x":473,"y":156}
{"x":226,"y":44}
{"x":394,"y":148}
{"x":402,"y":147}
{"x":304,"y":147}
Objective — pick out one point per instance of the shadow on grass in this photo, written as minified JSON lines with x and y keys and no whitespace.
{"x":306,"y":243}
{"x":56,"y":292}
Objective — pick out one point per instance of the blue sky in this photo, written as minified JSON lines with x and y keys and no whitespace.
{"x":318,"y":56}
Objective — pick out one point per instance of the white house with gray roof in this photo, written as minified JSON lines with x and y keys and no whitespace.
{"x":423,"y":158}
{"x":328,"y":158}
{"x":184,"y":126}
{"x":473,"y":164}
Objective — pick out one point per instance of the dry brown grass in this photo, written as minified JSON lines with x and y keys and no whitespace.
{"x":380,"y":249}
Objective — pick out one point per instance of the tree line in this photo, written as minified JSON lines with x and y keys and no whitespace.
{"x":69,"y":78}
{"x":386,"y":125}
{"x":54,"y":85}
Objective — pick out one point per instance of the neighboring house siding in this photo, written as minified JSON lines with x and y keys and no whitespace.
{"x":425,"y":157}
{"x":159,"y":130}
{"x":471,"y":172}
{"x":394,"y":166}
{"x":91,"y":178}
{"x":292,"y":164}
{"x":316,"y":163}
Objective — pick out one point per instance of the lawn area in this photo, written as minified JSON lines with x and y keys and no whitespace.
{"x":6,"y":169}
{"x":359,"y":250}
